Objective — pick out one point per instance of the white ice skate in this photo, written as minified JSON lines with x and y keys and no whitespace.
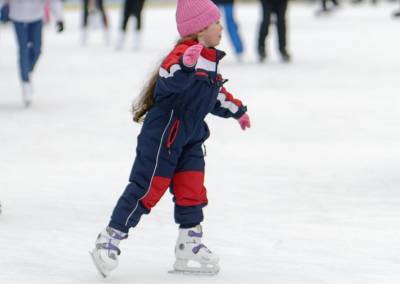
{"x":107,"y":36}
{"x":27,"y":93}
{"x":106,"y":251}
{"x":120,"y":41}
{"x":192,"y":256}
{"x":137,"y":39}
{"x":84,"y":36}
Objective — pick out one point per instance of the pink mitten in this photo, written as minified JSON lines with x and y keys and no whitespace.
{"x":192,"y":54}
{"x":244,"y":121}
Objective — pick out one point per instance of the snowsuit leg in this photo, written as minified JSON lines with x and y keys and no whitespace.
{"x":190,"y":195}
{"x":153,"y":169}
{"x":165,"y":156}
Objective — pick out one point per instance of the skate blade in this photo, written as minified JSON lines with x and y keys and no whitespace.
{"x":97,"y":266}
{"x":194,"y":272}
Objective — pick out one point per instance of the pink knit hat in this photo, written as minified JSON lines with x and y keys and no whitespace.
{"x":194,"y":15}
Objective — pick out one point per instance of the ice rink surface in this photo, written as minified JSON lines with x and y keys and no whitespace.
{"x":310,"y":194}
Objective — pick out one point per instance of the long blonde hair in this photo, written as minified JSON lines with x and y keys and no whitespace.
{"x":145,"y":102}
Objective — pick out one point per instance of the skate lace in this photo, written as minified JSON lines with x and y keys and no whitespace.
{"x":196,"y":249}
{"x":109,"y":246}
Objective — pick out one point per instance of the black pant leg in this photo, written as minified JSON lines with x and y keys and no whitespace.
{"x":100,"y":6}
{"x":85,"y":12}
{"x":264,"y":26}
{"x":280,"y":10}
{"x":138,"y":13}
{"x":126,"y":14}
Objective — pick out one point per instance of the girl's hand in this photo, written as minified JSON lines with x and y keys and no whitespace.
{"x":191,"y":55}
{"x":244,"y":121}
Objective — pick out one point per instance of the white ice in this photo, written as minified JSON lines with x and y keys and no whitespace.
{"x":310,"y":194}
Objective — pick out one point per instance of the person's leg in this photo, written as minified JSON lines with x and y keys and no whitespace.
{"x":281,"y":8}
{"x":152,"y":171}
{"x":125,"y":15}
{"x":190,"y":196}
{"x":21,"y":31}
{"x":85,"y":12}
{"x":324,"y":6}
{"x":156,"y":158}
{"x":233,"y":28}
{"x":264,"y":27}
{"x":100,"y":6}
{"x":137,"y":11}
{"x":35,"y":42}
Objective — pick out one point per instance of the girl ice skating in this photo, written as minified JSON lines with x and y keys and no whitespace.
{"x":169,"y":151}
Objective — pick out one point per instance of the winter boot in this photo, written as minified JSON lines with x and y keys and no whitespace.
{"x":106,"y":251}
{"x":192,"y":256}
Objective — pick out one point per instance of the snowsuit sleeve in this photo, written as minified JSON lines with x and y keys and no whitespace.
{"x":226,"y":105}
{"x":174,"y":76}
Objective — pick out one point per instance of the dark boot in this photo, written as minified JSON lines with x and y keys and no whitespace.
{"x":285,"y":56}
{"x":262,"y":54}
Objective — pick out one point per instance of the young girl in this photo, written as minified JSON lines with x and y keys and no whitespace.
{"x":131,"y":8}
{"x":169,"y":150}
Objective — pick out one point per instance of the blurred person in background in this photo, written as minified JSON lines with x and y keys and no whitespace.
{"x":90,"y":7}
{"x":131,"y":8}
{"x":231,"y":25}
{"x":278,"y":8}
{"x":27,"y":16}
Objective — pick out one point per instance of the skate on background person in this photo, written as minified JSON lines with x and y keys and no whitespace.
{"x":326,"y":8}
{"x":131,"y":8}
{"x":27,"y":16}
{"x":169,"y":151}
{"x":90,"y":7}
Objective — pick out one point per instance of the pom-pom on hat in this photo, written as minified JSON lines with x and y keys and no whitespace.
{"x":192,"y":16}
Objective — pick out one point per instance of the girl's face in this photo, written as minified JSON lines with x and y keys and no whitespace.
{"x":211,"y":36}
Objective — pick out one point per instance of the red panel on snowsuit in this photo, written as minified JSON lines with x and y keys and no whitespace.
{"x":157,"y":189}
{"x":189,"y":188}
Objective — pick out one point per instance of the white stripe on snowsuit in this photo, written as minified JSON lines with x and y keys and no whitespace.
{"x":227,"y":104}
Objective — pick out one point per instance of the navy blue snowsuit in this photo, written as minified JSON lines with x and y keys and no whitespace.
{"x":169,"y":150}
